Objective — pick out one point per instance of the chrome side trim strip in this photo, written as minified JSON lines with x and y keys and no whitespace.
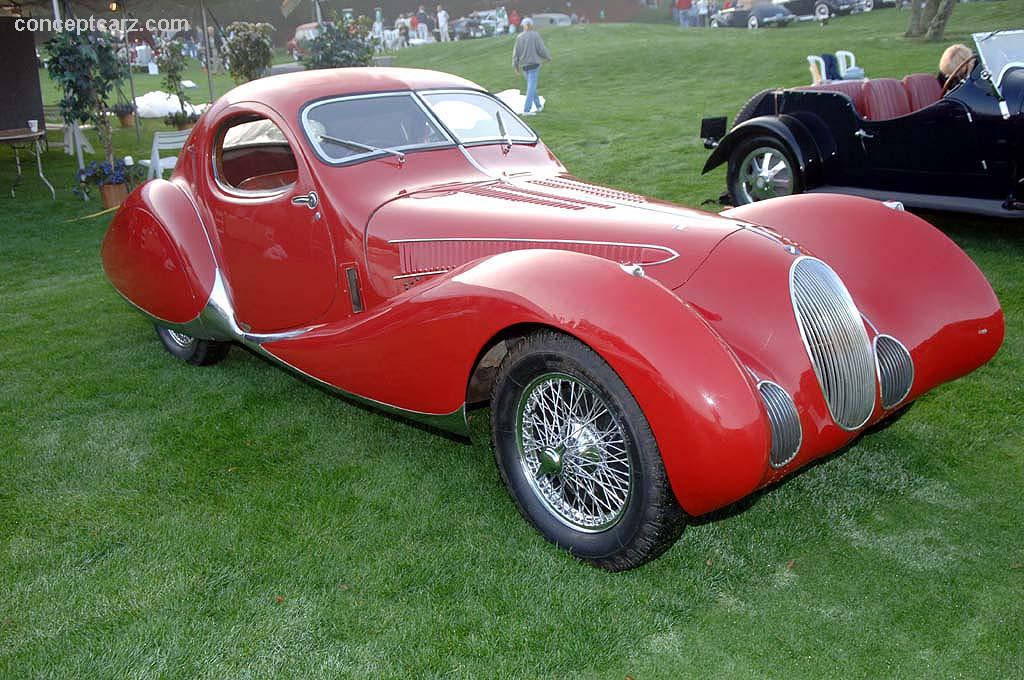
{"x":216,"y":321}
{"x":399,"y":277}
{"x":671,"y":254}
{"x":454,"y":422}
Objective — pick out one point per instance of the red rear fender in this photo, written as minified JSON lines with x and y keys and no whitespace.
{"x":157,"y":255}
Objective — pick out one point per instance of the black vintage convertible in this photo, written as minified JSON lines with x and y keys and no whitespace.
{"x":959,"y":147}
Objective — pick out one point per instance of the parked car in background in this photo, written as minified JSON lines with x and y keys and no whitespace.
{"x":401,"y":237}
{"x":822,"y":10}
{"x":753,"y":17}
{"x":956,"y":148}
{"x":304,"y":34}
{"x":468,"y":28}
{"x":551,"y":20}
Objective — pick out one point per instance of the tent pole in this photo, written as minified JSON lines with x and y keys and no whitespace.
{"x":206,"y":43}
{"x":131,"y":77}
{"x":56,"y":9}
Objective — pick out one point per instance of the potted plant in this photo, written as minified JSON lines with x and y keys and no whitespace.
{"x":86,"y":68}
{"x":113,"y":179}
{"x":171,"y":61}
{"x":180,"y":120}
{"x":125,"y":113}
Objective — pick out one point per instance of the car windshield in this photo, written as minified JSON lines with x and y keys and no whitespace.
{"x":1000,"y":51}
{"x":473,"y":117}
{"x":354,"y":128}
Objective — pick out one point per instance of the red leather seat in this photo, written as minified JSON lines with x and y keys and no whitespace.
{"x":272,"y":180}
{"x":851,"y":88}
{"x":885,"y":98}
{"x":923,"y":90}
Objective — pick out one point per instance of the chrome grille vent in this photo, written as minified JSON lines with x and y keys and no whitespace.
{"x":836,"y":341}
{"x":895,"y":370}
{"x":785,"y":421}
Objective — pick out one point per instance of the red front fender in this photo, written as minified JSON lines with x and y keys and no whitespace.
{"x":417,"y":354}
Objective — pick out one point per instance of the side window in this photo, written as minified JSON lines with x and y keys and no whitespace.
{"x":252,"y":154}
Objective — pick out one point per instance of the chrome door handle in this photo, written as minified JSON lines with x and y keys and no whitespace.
{"x":310,"y":200}
{"x":863,"y":134}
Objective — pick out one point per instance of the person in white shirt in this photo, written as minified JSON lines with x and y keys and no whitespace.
{"x":442,"y":23}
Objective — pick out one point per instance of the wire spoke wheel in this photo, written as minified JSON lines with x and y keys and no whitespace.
{"x":765,"y":173}
{"x":181,"y":339}
{"x":574,"y":452}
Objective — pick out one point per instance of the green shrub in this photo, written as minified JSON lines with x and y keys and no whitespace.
{"x":249,"y":50}
{"x":346,"y":43}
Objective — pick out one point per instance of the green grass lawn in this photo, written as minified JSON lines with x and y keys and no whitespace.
{"x":159,"y":520}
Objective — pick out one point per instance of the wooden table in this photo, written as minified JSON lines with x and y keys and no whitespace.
{"x":20,"y":138}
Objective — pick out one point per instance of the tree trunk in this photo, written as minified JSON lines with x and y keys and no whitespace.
{"x":937,"y":26}
{"x":930,"y":9}
{"x":914,"y":28}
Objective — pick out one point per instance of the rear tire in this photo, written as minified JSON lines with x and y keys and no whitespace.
{"x":578,"y":456}
{"x":748,"y":186}
{"x":822,"y":12}
{"x":746,"y":112}
{"x":752,"y":23}
{"x":192,"y":350}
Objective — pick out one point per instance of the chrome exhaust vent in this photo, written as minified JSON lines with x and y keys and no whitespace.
{"x":836,"y":341}
{"x":787,"y":435}
{"x":895,"y":370}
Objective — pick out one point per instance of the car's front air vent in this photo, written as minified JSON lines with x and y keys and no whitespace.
{"x":508,"y":192}
{"x":836,"y":341}
{"x":895,"y":370}
{"x":785,"y":421}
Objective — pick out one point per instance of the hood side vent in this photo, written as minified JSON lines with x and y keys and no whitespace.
{"x":592,"y":189}
{"x":521,"y":195}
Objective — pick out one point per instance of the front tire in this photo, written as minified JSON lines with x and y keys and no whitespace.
{"x":192,"y":350}
{"x":822,"y":12}
{"x":761,"y":168}
{"x":578,"y":456}
{"x":752,"y":23}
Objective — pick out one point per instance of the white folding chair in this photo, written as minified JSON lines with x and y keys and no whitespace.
{"x":848,"y":69}
{"x":817,"y":66}
{"x":164,"y":141}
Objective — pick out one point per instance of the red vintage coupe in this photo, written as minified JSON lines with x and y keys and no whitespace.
{"x":402,"y":237}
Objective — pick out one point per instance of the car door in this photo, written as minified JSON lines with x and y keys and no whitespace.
{"x":276,"y":248}
{"x":933,"y":150}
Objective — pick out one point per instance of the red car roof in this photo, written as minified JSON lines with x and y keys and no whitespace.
{"x":288,"y":92}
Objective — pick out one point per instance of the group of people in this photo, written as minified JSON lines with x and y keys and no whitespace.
{"x":693,"y":12}
{"x":422,"y":24}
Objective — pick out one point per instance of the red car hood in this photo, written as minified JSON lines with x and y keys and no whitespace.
{"x":434,"y":230}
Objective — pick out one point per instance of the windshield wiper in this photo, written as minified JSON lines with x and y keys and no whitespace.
{"x":503,"y":131}
{"x":364,"y":147}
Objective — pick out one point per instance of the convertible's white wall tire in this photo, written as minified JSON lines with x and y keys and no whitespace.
{"x":192,"y":350}
{"x":648,"y":521}
{"x":822,"y":12}
{"x":714,"y":23}
{"x":869,"y":5}
{"x":752,"y":23}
